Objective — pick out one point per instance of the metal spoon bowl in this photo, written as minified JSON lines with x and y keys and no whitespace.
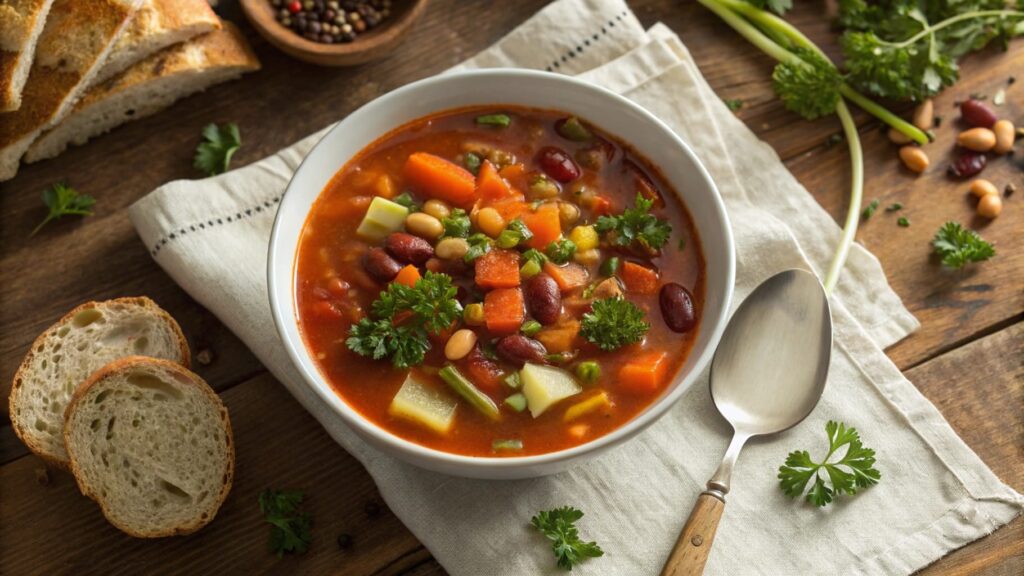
{"x":767,"y":375}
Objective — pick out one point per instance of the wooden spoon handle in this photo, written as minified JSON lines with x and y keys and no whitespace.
{"x":694,"y":544}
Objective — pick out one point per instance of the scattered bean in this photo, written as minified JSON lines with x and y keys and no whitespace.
{"x":977,"y":113}
{"x":451,"y":248}
{"x":990,"y":205}
{"x":897,"y":137}
{"x":437,"y":209}
{"x":924,"y":115}
{"x":543,"y":298}
{"x":967,"y":165}
{"x":677,"y":307}
{"x":424,"y":225}
{"x":1004,"y":133}
{"x":490,"y":222}
{"x":587,"y":257}
{"x":380,"y":265}
{"x":977,"y":139}
{"x":409,"y":248}
{"x":568,"y":214}
{"x":914,"y":158}
{"x":460,"y":344}
{"x":982,"y":188}
{"x":474,"y":314}
{"x":557,"y":164}
{"x":518,"y":349}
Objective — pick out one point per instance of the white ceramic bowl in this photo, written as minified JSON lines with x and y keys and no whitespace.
{"x":614,"y":114}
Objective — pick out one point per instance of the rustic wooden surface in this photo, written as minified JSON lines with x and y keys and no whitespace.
{"x":966,"y":357}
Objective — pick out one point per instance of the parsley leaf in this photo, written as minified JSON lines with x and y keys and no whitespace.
{"x":733,"y":104}
{"x":958,"y":246}
{"x":561,"y":251}
{"x":403,"y":318}
{"x":810,"y":89}
{"x":456,"y":224}
{"x":855,"y":470}
{"x":290,"y":529}
{"x":559,"y":526}
{"x":869,"y":210}
{"x":479,"y":244}
{"x":63,"y":200}
{"x":613,"y":323}
{"x":213,"y":155}
{"x":636,"y":227}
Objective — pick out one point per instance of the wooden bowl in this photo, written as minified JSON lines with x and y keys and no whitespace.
{"x":367,"y":46}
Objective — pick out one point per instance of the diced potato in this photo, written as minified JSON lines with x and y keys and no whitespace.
{"x":382,"y":218}
{"x":424,"y":405}
{"x":595,"y":402}
{"x":544,"y":386}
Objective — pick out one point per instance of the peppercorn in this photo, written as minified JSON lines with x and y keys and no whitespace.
{"x":331,"y":21}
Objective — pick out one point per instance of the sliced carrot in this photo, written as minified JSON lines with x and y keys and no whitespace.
{"x":569,"y":276}
{"x":408,"y":276}
{"x":498,"y":269}
{"x":559,"y":338}
{"x":512,"y":171}
{"x":435,"y":177}
{"x":503,"y":310}
{"x":644,"y":373}
{"x":490,"y":186}
{"x":545,"y":225}
{"x":511,"y":209}
{"x":639,"y":279}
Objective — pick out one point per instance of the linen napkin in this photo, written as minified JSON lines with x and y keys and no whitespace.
{"x":935,"y":494}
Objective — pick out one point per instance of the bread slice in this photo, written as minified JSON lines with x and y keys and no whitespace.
{"x":151,"y":443}
{"x":151,"y":86}
{"x":72,"y":47}
{"x":21,"y":22}
{"x":157,"y":25}
{"x":67,"y":353}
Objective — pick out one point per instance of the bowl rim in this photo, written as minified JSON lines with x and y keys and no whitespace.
{"x":283,"y":311}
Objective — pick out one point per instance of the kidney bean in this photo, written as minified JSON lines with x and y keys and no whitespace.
{"x":543,"y":298}
{"x":409,"y":248}
{"x":558,"y":164}
{"x":518,"y":349}
{"x":380,"y":265}
{"x":677,"y":307}
{"x":976,"y":113}
{"x":968,"y":164}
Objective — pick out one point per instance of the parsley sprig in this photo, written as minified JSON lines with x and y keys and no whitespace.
{"x":957,"y":245}
{"x":290,"y":529}
{"x":213,"y":155}
{"x":636,"y":227}
{"x":613,"y":323}
{"x":559,"y":526}
{"x":403,"y":318}
{"x":63,"y":200}
{"x":853,"y":471}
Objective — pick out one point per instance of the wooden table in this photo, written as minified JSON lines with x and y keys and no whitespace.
{"x":967,"y":356}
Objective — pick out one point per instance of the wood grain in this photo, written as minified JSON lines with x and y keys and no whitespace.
{"x":962,"y":356}
{"x":691,"y":551}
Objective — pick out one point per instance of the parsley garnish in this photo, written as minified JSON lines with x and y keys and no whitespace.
{"x":63,"y":200}
{"x":809,"y":88}
{"x":534,"y":256}
{"x":213,"y":155}
{"x":559,"y":526}
{"x":894,"y":207}
{"x":733,"y":104}
{"x":903,"y":222}
{"x":290,"y":529}
{"x":613,"y":323}
{"x":403,"y":318}
{"x":636,"y":225}
{"x":561,"y":251}
{"x":479,"y":244}
{"x":405,"y":199}
{"x":855,"y":470}
{"x":456,"y":224}
{"x":869,"y":210}
{"x":958,"y":246}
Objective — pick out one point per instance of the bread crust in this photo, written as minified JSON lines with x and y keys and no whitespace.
{"x":115,"y":368}
{"x":19,"y":376}
{"x":21,"y":22}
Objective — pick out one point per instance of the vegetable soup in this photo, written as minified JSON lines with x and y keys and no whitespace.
{"x":499,"y":281}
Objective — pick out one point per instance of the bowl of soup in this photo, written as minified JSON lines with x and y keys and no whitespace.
{"x":500,"y":273}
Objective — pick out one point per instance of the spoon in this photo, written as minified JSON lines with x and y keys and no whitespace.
{"x":767,"y":375}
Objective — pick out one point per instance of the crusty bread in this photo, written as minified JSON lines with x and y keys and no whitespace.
{"x":150,"y":86}
{"x":151,"y":443}
{"x":75,"y":41}
{"x":157,"y":25}
{"x":21,"y":22}
{"x":67,"y":353}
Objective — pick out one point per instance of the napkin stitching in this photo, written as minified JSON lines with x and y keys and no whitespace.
{"x":213,"y":222}
{"x":555,"y":64}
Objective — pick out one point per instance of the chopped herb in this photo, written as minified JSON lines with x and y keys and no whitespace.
{"x":903,"y":222}
{"x":894,"y":207}
{"x":636,"y":226}
{"x":574,"y":130}
{"x":290,"y":529}
{"x":472,"y":162}
{"x":855,"y":470}
{"x":613,"y":323}
{"x":513,"y":234}
{"x":501,"y":120}
{"x":489,"y":351}
{"x":403,"y":318}
{"x":733,"y":104}
{"x":509,"y":445}
{"x":530,"y":327}
{"x":456,"y":224}
{"x":958,"y":246}
{"x":682,"y":244}
{"x":610,"y":266}
{"x":561,"y":251}
{"x":62,"y":200}
{"x":559,"y":526}
{"x":405,"y":199}
{"x":532,"y":255}
{"x":213,"y":155}
{"x":588,"y":292}
{"x":870,"y":209}
{"x":833,"y":140}
{"x":479,"y":244}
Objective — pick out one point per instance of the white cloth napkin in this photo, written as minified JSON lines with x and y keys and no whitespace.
{"x":935,"y":494}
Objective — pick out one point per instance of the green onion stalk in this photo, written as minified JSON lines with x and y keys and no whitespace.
{"x":765,"y":31}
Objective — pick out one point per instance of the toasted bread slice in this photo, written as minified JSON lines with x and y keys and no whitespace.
{"x":67,"y":353}
{"x":151,"y":86}
{"x":151,"y":443}
{"x":72,"y":47}
{"x":157,"y":25}
{"x":21,"y":22}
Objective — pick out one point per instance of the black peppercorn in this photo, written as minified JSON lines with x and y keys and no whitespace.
{"x":331,"y":21}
